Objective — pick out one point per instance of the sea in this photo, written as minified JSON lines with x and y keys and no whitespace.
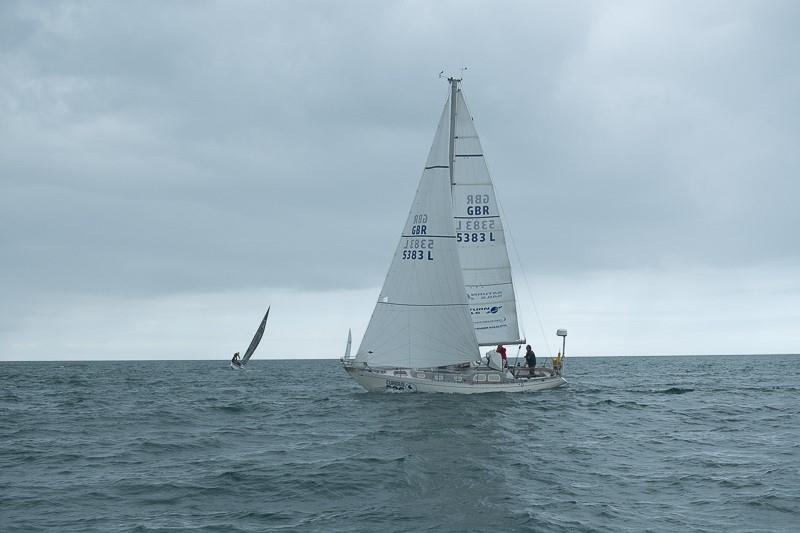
{"x":707,"y":443}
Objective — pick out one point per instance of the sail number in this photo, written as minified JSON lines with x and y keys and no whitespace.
{"x":475,"y":225}
{"x":418,"y":255}
{"x":476,"y":231}
{"x":475,"y":237}
{"x":418,"y":249}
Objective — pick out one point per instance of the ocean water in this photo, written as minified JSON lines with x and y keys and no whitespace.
{"x":632,"y":444}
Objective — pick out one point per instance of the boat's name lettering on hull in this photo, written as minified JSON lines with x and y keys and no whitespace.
{"x":399,"y":385}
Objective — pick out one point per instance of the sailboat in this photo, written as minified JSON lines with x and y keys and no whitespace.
{"x":449,"y":289}
{"x":253,"y":344}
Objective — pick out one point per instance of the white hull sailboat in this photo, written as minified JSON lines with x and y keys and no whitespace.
{"x":240,"y":365}
{"x":449,"y":289}
{"x":472,"y":381}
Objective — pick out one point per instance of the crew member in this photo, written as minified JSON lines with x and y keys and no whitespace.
{"x":530,"y":357}
{"x":502,"y":351}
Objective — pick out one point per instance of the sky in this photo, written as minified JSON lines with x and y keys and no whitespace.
{"x":170,"y":169}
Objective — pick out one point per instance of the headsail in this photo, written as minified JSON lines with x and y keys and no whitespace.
{"x":480,"y":236}
{"x":422,"y":317}
{"x":256,"y":339}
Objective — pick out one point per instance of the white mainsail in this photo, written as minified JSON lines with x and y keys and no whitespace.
{"x":422,"y":317}
{"x":480,"y":236}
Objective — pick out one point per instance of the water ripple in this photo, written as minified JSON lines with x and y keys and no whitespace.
{"x":633,"y":444}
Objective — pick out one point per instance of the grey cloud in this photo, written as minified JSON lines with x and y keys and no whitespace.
{"x":149,"y":149}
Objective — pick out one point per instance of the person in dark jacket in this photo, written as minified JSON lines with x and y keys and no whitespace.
{"x":235,"y":359}
{"x":530,"y":357}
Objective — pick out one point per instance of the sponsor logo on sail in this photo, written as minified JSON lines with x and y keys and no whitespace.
{"x":486,"y":309}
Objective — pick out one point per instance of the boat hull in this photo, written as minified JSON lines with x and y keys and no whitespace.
{"x":469,"y":381}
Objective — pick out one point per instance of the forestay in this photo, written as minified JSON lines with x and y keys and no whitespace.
{"x":422,"y":318}
{"x":481,"y":239}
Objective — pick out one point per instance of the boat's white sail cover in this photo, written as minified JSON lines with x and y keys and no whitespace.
{"x":480,"y":237}
{"x":422,"y":317}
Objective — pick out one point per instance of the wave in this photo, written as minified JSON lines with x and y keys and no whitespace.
{"x":673,"y":390}
{"x":323,"y":457}
{"x":622,"y":404}
{"x":235,"y":408}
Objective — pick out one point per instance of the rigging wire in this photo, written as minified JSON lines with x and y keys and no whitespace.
{"x":507,"y":231}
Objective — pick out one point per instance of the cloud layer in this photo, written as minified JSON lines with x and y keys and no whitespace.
{"x":153,"y":154}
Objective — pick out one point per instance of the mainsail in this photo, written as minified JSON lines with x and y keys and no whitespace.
{"x":422,"y":317}
{"x":480,"y":236}
{"x":256,"y":339}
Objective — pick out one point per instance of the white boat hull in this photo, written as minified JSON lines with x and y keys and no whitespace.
{"x":468,"y":381}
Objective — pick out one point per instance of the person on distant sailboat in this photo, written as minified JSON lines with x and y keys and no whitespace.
{"x":235,"y":359}
{"x":502,"y":351}
{"x":530,"y":357}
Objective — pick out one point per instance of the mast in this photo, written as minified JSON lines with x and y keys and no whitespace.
{"x":453,"y":92}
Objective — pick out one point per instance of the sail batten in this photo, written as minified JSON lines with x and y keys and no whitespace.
{"x":425,"y":305}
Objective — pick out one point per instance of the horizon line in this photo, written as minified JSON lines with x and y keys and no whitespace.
{"x":338,"y":358}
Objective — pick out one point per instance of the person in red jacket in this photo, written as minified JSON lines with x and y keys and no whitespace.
{"x":502,"y":351}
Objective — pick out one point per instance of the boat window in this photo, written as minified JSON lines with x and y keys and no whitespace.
{"x":480,"y":377}
{"x":494,"y":378}
{"x":458,"y":379}
{"x":420,"y":374}
{"x":400,"y":373}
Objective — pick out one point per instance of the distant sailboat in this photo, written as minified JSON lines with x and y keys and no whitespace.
{"x":253,"y":344}
{"x":449,"y":289}
{"x":349,"y":344}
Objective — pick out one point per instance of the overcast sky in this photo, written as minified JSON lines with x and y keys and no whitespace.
{"x":170,"y":169}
